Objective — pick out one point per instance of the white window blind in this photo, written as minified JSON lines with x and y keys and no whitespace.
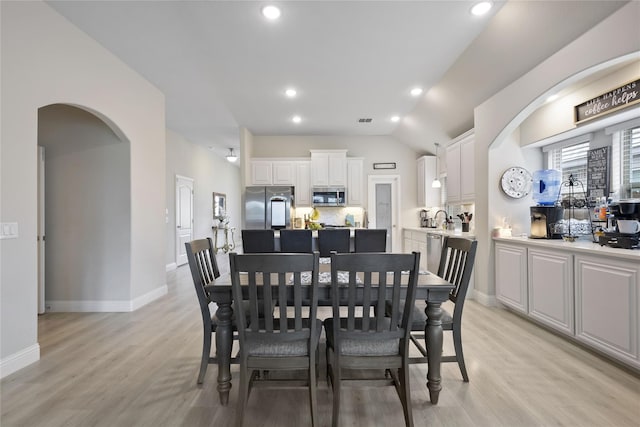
{"x":571,"y":160}
{"x":630,"y":156}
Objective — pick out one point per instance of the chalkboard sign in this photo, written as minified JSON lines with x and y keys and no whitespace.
{"x":598,"y":172}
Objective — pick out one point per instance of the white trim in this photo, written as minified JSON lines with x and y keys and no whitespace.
{"x":16,"y":361}
{"x":622,"y":126}
{"x":105,"y":306}
{"x":170,"y":267}
{"x":569,"y":141}
{"x":484,"y":299}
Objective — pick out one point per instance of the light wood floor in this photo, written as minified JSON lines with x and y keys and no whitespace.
{"x":140,"y":368}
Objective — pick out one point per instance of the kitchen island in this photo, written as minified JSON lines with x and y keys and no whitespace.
{"x":587,"y":292}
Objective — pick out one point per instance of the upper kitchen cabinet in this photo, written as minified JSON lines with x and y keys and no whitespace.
{"x":272,"y":172}
{"x":427,"y":195}
{"x":460,"y":164}
{"x":302,"y":183}
{"x":355,"y":192}
{"x":261,"y":172}
{"x":329,"y":168}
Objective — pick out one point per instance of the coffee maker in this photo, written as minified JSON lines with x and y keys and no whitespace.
{"x":543,"y":219}
{"x":424,"y":218}
{"x":627,"y":209}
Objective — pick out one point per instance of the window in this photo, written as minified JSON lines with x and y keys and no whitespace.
{"x":571,"y":160}
{"x":630,"y":159}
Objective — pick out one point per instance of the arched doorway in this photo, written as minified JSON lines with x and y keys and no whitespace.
{"x":87,"y":210}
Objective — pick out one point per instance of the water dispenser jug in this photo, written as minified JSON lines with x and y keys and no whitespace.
{"x":546,"y":185}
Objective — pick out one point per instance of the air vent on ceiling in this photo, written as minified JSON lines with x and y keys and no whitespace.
{"x":365,"y":120}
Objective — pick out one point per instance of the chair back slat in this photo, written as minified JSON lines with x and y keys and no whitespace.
{"x":380,"y":281}
{"x":204,"y":269}
{"x":456,"y":266}
{"x":274,"y":280}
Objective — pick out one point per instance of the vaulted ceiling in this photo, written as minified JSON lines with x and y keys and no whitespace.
{"x":222,"y":66}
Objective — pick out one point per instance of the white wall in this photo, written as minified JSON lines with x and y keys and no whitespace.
{"x":373,"y":149}
{"x":614,"y":39}
{"x":87,"y":211}
{"x":211,"y":173}
{"x":46,"y":60}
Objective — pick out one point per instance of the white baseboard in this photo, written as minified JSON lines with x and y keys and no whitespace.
{"x":19,"y":360}
{"x":105,"y":305}
{"x":484,"y":299}
{"x":170,"y":267}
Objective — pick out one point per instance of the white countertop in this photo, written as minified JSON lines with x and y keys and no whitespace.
{"x":585,"y":246}
{"x":428,"y":230}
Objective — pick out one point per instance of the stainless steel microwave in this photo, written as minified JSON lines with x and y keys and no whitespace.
{"x":329,"y":196}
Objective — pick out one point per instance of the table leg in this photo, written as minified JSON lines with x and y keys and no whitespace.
{"x":224,"y":341}
{"x":433,"y":342}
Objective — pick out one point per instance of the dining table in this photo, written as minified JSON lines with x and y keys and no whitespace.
{"x":431,"y":288}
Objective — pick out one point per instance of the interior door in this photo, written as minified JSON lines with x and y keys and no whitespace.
{"x":384,"y":208}
{"x":184,"y":217}
{"x":41,"y":296}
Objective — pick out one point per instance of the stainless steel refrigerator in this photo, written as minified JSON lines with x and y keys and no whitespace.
{"x":268,"y":207}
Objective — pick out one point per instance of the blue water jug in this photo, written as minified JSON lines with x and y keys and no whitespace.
{"x":546,"y":185}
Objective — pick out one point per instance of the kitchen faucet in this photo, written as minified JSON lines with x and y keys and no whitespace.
{"x":446,"y":216}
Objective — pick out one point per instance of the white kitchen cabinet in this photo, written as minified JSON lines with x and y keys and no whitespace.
{"x":607,"y":304}
{"x":329,"y":168}
{"x":302,"y":183}
{"x":511,"y":276}
{"x":460,"y":166}
{"x":261,"y":172}
{"x":283,"y":172}
{"x":550,"y":287}
{"x":355,"y":187}
{"x":427,"y":195}
{"x":416,"y":241}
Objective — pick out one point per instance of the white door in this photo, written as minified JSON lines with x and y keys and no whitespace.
{"x":384,"y":208}
{"x":184,"y":217}
{"x":41,"y":307}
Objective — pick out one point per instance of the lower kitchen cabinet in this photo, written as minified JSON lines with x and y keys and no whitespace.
{"x":607,"y":306}
{"x":511,"y":276}
{"x":550,"y":287}
{"x":416,"y":241}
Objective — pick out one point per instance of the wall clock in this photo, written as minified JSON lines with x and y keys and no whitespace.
{"x":516,"y":182}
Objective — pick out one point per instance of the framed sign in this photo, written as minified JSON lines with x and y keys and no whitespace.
{"x":384,"y":165}
{"x":598,"y":162}
{"x":620,"y":97}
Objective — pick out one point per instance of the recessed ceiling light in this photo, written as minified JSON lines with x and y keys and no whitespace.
{"x":271,"y":12}
{"x":481,"y":8}
{"x":290,"y":93}
{"x":552,"y":98}
{"x":296,"y":119}
{"x":416,"y":91}
{"x":395,"y":119}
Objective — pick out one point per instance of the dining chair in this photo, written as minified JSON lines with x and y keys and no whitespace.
{"x":296,"y":241}
{"x":258,"y":241}
{"x":370,"y":240}
{"x":456,"y":266}
{"x":330,"y":240}
{"x":366,"y":341}
{"x":285,"y":338}
{"x":204,"y":271}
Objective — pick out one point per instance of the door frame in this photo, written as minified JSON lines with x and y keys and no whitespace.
{"x":177,"y":214}
{"x":396,"y":223}
{"x":41,"y":231}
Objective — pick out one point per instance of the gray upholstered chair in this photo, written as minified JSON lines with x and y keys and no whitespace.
{"x":281,"y":339}
{"x":456,"y":266}
{"x":330,"y":240}
{"x":371,"y":341}
{"x":204,"y":271}
{"x":370,"y":240}
{"x":296,"y":241}
{"x":258,"y":241}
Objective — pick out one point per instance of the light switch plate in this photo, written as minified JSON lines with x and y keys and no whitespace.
{"x":9,"y":230}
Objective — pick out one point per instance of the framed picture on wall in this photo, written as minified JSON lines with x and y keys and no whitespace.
{"x":219,"y":205}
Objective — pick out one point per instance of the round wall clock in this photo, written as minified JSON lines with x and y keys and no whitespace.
{"x":516,"y":182}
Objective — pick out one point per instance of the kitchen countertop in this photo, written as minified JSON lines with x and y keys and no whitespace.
{"x":585,"y":246}
{"x":428,"y":230}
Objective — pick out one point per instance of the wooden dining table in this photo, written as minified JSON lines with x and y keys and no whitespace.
{"x":431,"y":288}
